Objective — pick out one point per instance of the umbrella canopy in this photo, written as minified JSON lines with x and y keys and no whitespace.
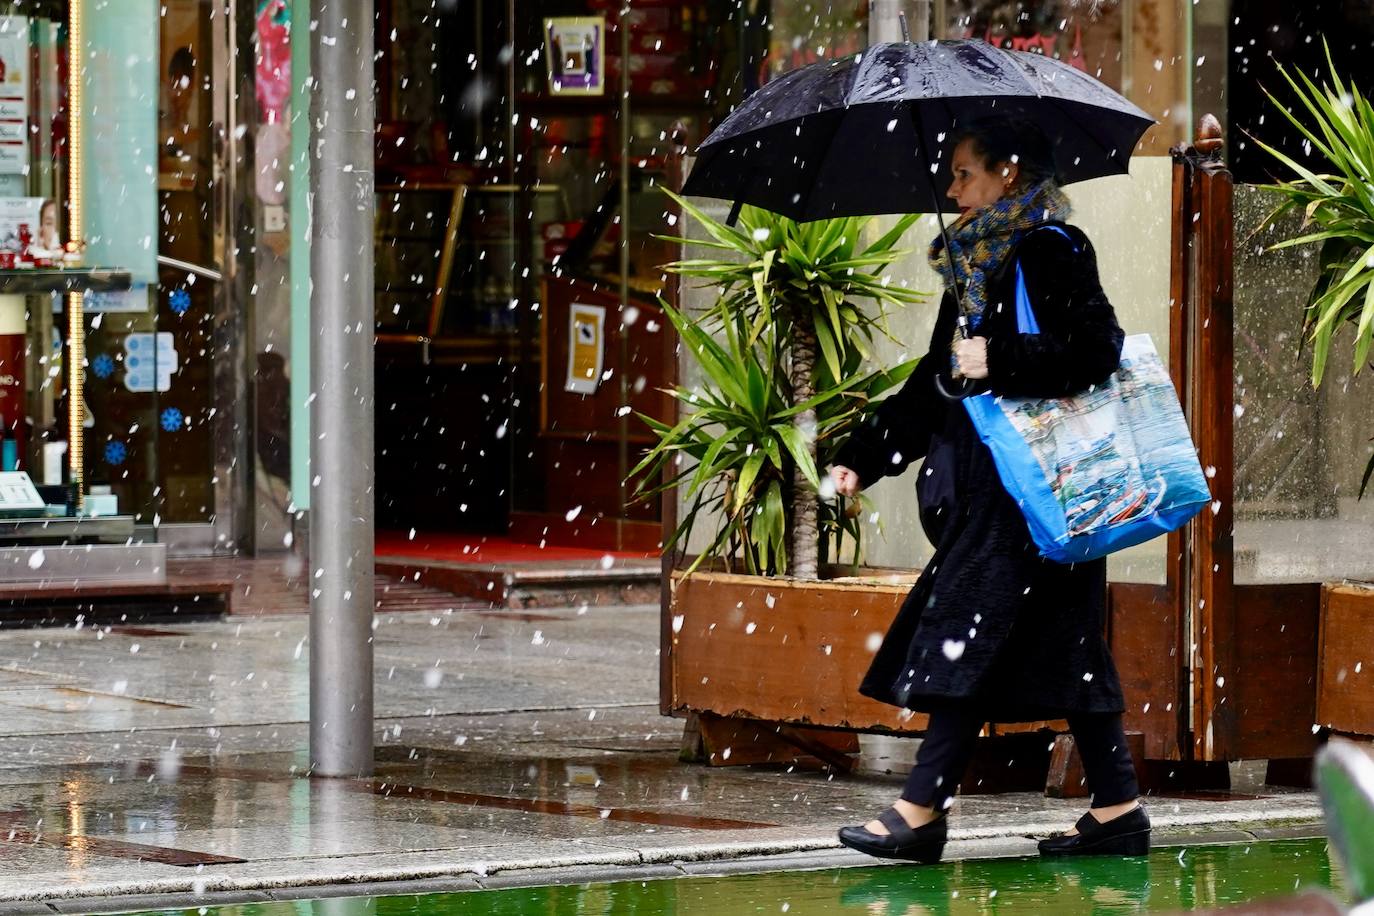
{"x":867,"y":134}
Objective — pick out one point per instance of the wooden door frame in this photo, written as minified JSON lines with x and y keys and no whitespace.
{"x":1201,"y":357}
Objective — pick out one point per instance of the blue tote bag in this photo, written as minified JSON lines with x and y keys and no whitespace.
{"x":1101,"y":471}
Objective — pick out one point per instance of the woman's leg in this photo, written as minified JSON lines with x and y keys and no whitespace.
{"x":941,"y":759}
{"x":1101,"y":742}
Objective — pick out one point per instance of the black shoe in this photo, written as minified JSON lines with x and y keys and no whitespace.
{"x":1127,"y":835}
{"x":923,"y":844}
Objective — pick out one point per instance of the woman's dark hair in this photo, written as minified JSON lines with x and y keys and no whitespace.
{"x":1006,"y":138}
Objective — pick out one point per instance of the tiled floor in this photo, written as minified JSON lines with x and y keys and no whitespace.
{"x":172,"y":760}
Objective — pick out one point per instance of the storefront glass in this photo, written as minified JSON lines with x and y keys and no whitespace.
{"x":509,"y":171}
{"x":141,"y":197}
{"x":148,"y":350}
{"x":1300,"y":452}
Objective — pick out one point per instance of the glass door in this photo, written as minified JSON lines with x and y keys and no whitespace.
{"x":157,"y":414}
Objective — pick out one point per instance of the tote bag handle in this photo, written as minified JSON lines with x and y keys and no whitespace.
{"x":1025,"y":315}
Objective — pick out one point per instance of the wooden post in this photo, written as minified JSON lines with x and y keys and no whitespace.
{"x":672,"y":294}
{"x":1202,"y":335}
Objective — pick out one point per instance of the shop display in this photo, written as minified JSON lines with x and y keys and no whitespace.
{"x":666,"y":50}
{"x":18,"y":497}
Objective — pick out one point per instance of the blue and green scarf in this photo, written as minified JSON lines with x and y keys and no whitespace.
{"x":982,"y":239}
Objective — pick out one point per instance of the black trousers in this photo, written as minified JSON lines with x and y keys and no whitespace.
{"x":945,"y":753}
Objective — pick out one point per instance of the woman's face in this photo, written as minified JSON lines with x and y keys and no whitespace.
{"x":976,"y":186}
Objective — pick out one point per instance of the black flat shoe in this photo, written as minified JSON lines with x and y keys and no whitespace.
{"x":1127,"y":835}
{"x":923,"y":844}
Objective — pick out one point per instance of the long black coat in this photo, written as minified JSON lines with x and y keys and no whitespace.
{"x":991,"y":625}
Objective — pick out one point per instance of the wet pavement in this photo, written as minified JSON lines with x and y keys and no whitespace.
{"x":513,"y":748}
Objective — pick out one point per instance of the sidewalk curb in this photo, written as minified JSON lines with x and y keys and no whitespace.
{"x":810,"y":851}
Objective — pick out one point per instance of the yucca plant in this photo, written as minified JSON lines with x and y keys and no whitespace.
{"x":1339,"y":206}
{"x":782,"y":352}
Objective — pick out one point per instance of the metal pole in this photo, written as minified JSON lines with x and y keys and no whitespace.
{"x":341,"y":448}
{"x":622,"y":372}
{"x":884,"y":24}
{"x":920,"y":27}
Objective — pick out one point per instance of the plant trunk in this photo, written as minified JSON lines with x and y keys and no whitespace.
{"x":804,"y":549}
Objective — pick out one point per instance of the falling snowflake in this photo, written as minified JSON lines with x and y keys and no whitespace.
{"x":116,"y":452}
{"x":171,"y":420}
{"x":103,"y":366}
{"x":179,"y":301}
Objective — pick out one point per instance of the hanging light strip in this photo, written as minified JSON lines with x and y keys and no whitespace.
{"x":76,"y":319}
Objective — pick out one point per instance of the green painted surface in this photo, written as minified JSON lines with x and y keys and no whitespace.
{"x":1177,"y":879}
{"x":120,"y":118}
{"x":298,"y":221}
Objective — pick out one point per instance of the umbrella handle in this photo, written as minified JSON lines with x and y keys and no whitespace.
{"x":965,"y":389}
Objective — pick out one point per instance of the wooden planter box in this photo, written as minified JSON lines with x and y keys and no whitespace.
{"x":758,"y":659}
{"x":1345,"y":662}
{"x":779,"y":650}
{"x":768,"y":670}
{"x":786,"y":651}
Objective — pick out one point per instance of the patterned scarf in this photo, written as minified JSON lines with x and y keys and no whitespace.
{"x":981,"y":240}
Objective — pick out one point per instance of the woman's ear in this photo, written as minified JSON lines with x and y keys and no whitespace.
{"x":1011,"y":174}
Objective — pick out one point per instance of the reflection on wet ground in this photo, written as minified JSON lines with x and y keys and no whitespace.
{"x":1170,"y":880}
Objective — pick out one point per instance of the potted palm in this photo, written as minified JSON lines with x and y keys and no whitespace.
{"x":1337,"y":208}
{"x":757,"y":634}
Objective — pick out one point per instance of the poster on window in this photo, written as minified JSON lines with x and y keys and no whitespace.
{"x":14,"y":95}
{"x":20,"y":219}
{"x":586,"y":347}
{"x":575,"y":48}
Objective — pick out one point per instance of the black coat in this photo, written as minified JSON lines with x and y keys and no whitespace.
{"x":990,"y":623}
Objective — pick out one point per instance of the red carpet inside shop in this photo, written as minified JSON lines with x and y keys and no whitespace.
{"x":480,"y":548}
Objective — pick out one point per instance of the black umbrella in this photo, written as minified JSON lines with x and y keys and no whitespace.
{"x":865,"y":134}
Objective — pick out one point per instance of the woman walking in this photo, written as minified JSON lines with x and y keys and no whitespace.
{"x":992,"y":631}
